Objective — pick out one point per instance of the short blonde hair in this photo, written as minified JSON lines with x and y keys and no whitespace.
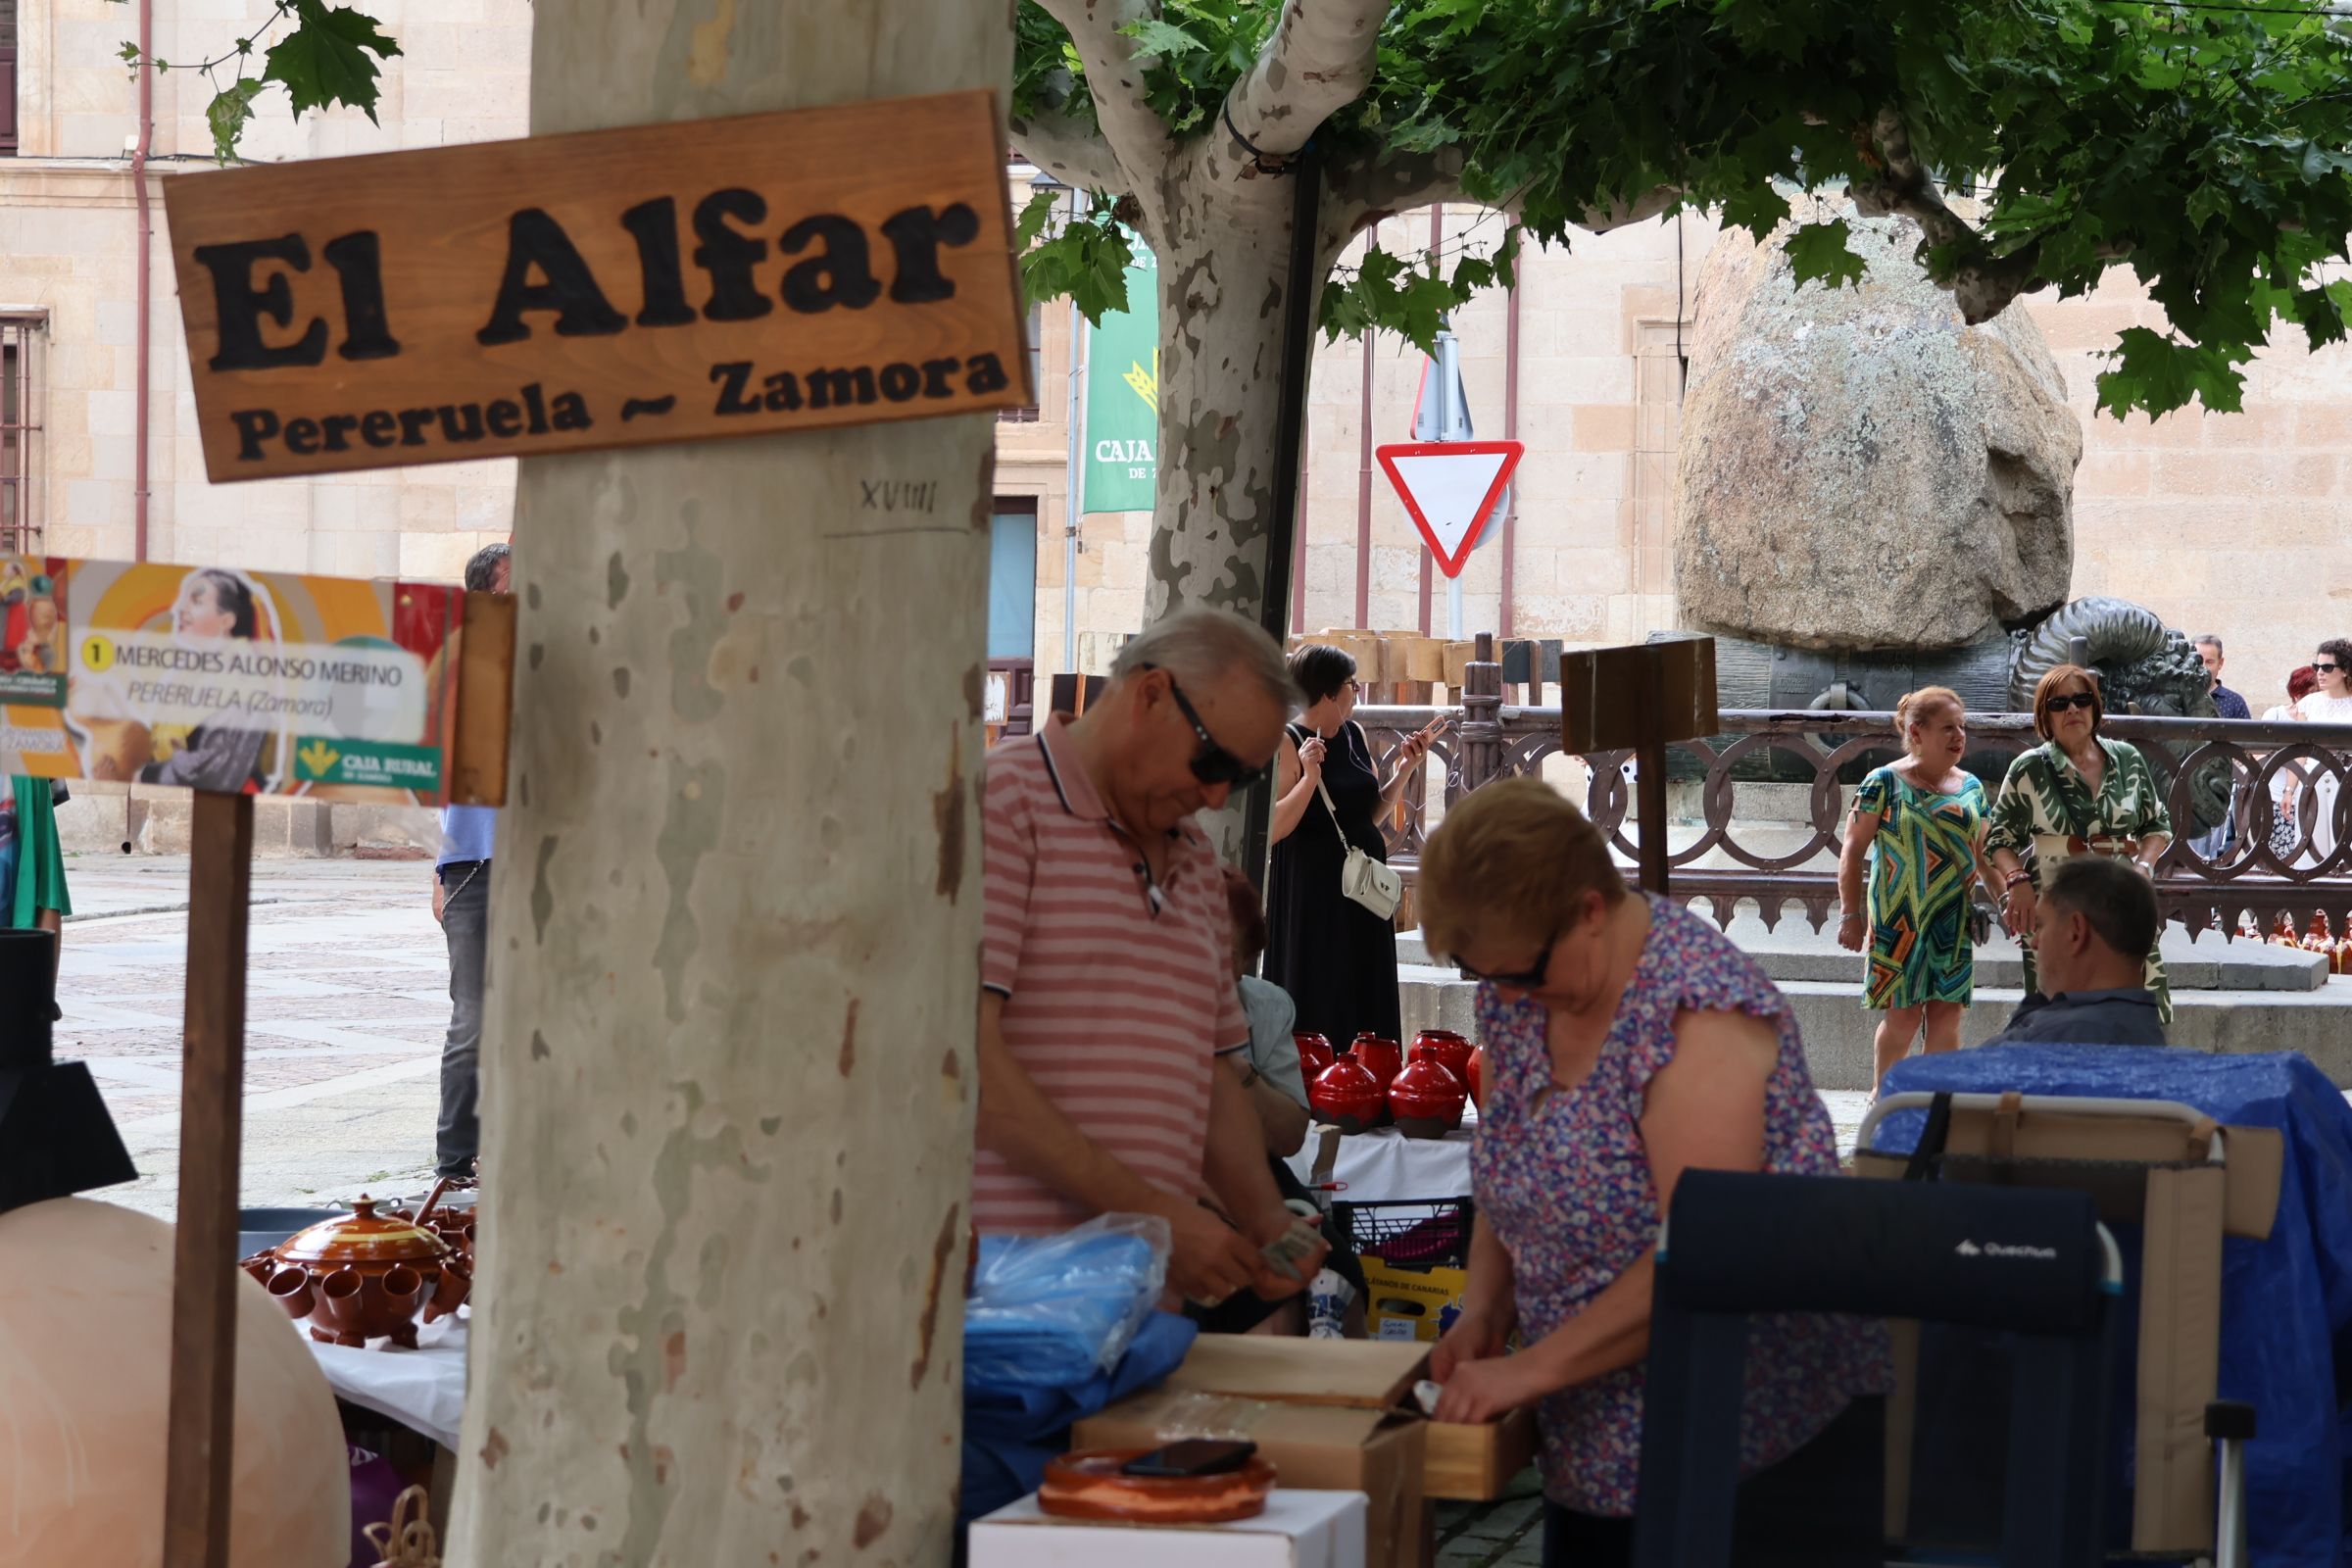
{"x":1513,"y":858}
{"x":1917,"y":706}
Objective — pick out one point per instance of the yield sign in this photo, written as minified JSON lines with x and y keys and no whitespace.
{"x":1449,"y":487}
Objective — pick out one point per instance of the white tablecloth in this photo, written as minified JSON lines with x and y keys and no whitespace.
{"x":424,"y":1387}
{"x":1385,"y":1166}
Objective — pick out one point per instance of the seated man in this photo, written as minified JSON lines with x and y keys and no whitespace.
{"x":2092,"y":934}
{"x":1106,"y":973}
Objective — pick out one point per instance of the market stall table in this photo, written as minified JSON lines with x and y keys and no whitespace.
{"x":1383,"y":1166}
{"x":423,"y":1389}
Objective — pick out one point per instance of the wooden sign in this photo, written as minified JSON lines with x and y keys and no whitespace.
{"x":669,"y":282}
{"x":1641,"y":698}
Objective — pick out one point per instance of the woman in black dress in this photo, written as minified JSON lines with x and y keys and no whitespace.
{"x":1332,"y":955}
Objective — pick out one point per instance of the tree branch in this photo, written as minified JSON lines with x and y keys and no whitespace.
{"x":1985,"y":284}
{"x":1317,"y":61}
{"x":1137,"y":138}
{"x":1365,"y":189}
{"x":1074,"y":153}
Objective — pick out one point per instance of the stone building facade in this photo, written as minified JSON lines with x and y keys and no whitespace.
{"x":2220,"y":522}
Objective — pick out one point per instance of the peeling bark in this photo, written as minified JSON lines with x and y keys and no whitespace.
{"x":709,"y":1324}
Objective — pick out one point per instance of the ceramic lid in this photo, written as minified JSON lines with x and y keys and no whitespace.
{"x":363,"y":1236}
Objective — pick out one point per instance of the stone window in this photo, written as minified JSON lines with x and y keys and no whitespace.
{"x":8,"y":77}
{"x":20,"y":338}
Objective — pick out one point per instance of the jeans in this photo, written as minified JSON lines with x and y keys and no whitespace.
{"x":465,"y":924}
{"x":1823,"y":1507}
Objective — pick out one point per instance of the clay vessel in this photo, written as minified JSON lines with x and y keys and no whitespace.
{"x":1474,"y":1077}
{"x":1427,"y":1100}
{"x":1315,"y":1054}
{"x":1347,"y":1096}
{"x":1383,"y":1057}
{"x":1445,"y":1046}
{"x":362,"y":1276}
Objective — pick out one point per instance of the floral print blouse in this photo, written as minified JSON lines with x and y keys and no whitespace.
{"x":1563,"y":1180}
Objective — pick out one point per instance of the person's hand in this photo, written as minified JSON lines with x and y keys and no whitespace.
{"x":1208,"y":1260}
{"x":1474,"y":1337}
{"x":2016,"y":910}
{"x":440,"y":898}
{"x":1270,"y":1283}
{"x":1310,"y":757}
{"x":1851,"y":929}
{"x":1495,"y":1385}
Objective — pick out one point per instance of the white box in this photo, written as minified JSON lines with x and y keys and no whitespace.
{"x":1298,"y":1530}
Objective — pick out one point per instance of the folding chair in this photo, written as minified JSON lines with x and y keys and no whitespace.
{"x":2035,"y":1265}
{"x":2187,"y":1182}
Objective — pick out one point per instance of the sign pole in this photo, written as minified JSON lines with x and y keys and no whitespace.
{"x":202,"y":1415}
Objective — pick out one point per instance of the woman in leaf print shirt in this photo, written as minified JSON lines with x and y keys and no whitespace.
{"x":2075,"y":794}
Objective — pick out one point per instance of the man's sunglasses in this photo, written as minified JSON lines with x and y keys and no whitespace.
{"x":1213,"y":764}
{"x":1518,"y":980}
{"x":2325,"y":666}
{"x":2076,"y":700}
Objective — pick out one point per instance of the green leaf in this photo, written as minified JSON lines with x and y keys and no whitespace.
{"x":1034,"y":218}
{"x":324,"y":61}
{"x":230,"y":109}
{"x":2159,"y":374}
{"x":1818,"y":253}
{"x":1086,"y":262}
{"x":1164,"y":39}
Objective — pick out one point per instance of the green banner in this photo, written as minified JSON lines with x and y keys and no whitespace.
{"x":1122,"y":398}
{"x":319,"y":760}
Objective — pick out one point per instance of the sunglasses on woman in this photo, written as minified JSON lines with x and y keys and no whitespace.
{"x":1213,"y":764}
{"x":2325,"y":666}
{"x":2076,"y":700}
{"x":1519,"y":980}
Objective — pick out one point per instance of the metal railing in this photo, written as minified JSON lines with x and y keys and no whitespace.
{"x":2208,"y":768}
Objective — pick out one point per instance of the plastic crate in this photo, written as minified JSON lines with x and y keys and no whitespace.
{"x":1410,"y":1233}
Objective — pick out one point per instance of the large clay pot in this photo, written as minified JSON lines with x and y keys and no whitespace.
{"x":1315,"y":1054}
{"x":1427,"y":1100}
{"x":1347,"y":1096}
{"x":369,"y":1276}
{"x":1382,"y":1057}
{"x":1445,"y":1046}
{"x":86,"y":1352}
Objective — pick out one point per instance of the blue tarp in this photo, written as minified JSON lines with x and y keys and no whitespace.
{"x":2286,"y":1301}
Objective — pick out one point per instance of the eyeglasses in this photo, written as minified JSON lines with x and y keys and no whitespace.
{"x":1213,"y":764}
{"x":2325,"y":667}
{"x":1519,"y":980}
{"x":2077,"y":699}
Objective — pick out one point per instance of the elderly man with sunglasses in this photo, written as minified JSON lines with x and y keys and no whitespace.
{"x":1113,"y":1049}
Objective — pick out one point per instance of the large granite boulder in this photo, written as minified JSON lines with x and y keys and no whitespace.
{"x":1859,"y":468}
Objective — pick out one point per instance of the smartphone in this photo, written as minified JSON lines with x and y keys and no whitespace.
{"x":1193,"y":1456}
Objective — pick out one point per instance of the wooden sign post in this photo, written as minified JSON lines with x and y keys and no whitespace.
{"x":1642,"y":698}
{"x":664,"y":282}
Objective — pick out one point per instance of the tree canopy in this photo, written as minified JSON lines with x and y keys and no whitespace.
{"x":2205,"y":146}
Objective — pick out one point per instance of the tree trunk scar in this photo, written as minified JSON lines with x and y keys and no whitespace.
{"x":673,"y":1359}
{"x":941,"y":1250}
{"x":689,"y":831}
{"x":706,"y":60}
{"x":543,"y":898}
{"x":539,"y":1051}
{"x":495,"y":1449}
{"x":872,"y":1520}
{"x":849,"y":1040}
{"x":702,"y":575}
{"x":617,"y":581}
{"x":947,"y":811}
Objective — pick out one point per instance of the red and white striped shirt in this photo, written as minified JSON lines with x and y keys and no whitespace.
{"x":1118,"y":990}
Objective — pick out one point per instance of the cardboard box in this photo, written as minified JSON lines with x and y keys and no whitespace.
{"x":1410,"y":1303}
{"x":1457,"y":657}
{"x":1300,"y":1528}
{"x":1329,"y":1414}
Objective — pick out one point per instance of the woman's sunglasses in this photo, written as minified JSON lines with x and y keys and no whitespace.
{"x":2325,"y":666}
{"x":2076,"y":700}
{"x":1519,"y":980}
{"x":1213,"y":764}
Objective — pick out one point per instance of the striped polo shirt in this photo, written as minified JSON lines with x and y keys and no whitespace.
{"x":1119,"y":991}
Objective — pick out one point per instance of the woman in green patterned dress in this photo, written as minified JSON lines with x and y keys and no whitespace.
{"x":1919,"y":823}
{"x":2075,"y":794}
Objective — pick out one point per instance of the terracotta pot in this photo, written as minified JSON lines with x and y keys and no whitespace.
{"x":450,"y":1294}
{"x":1315,"y":1054}
{"x":290,"y":1288}
{"x":1347,"y":1096}
{"x":1427,"y":1100}
{"x":1443,"y":1045}
{"x":1474,"y":1077}
{"x":1383,"y":1057}
{"x":361,"y":1276}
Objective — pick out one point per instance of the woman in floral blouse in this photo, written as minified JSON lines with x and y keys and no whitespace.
{"x":2075,"y":794}
{"x":1628,"y":1041}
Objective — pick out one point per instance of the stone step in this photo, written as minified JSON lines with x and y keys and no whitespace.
{"x":1838,"y":1029}
{"x":1794,"y":951}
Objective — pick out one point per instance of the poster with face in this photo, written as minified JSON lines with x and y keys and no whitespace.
{"x":220,"y":679}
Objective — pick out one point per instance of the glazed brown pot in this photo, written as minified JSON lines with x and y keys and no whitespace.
{"x":364,"y":1276}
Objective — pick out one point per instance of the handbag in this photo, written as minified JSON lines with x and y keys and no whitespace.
{"x":1367,"y":881}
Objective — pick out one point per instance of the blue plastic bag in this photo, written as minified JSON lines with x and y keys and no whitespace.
{"x":1054,"y":1311}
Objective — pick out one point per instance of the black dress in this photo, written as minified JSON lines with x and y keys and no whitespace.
{"x":1331,"y":953}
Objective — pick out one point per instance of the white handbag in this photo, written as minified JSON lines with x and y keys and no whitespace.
{"x":1369,"y":882}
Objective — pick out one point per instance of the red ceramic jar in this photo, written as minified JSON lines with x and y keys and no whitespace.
{"x":1347,"y":1096}
{"x":1475,"y":1076}
{"x":1445,"y":1046}
{"x":1427,"y":1100}
{"x":1315,"y":1054}
{"x":1382,"y":1058}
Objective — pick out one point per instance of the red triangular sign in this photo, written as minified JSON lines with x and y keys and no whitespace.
{"x":1449,"y":487}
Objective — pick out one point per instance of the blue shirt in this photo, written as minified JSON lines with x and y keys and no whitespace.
{"x":467,"y":832}
{"x":2120,"y":1017}
{"x":2229,"y":704}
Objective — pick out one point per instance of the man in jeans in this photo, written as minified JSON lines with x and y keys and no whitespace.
{"x":462,"y":904}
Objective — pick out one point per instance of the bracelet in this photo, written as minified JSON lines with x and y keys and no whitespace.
{"x":1849,"y":914}
{"x":2020,"y":875}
